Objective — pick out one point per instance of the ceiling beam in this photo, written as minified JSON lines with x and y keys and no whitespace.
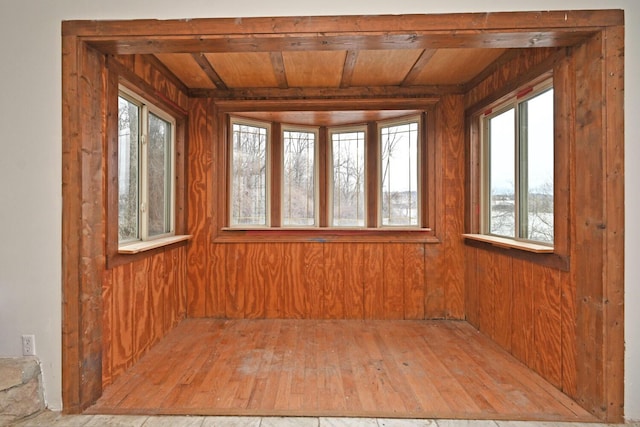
{"x":278,"y":69}
{"x":208,"y":69}
{"x":349,"y":66}
{"x":363,"y":24}
{"x":417,"y":68}
{"x":356,"y":41}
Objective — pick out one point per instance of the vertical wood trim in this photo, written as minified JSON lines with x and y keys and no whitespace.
{"x":71,"y":227}
{"x":200,"y":188}
{"x":83,"y":203}
{"x":598,"y":228}
{"x":323,"y":176}
{"x":372,"y":173}
{"x":613,"y":277}
{"x":275,"y":163}
{"x":565,"y":132}
{"x":450,"y":118}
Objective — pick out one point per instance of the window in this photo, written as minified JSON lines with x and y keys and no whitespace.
{"x":348,"y":178}
{"x":146,"y":137}
{"x":249,"y":160}
{"x":399,"y":174}
{"x":299,"y":178}
{"x":518,"y":147}
{"x":344,"y":178}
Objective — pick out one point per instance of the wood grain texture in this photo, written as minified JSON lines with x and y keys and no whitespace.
{"x":397,"y":369}
{"x":199,"y":192}
{"x":563,"y":322}
{"x":143,"y":301}
{"x":451,"y":130}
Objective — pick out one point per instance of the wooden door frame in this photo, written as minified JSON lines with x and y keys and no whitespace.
{"x":85,"y":45}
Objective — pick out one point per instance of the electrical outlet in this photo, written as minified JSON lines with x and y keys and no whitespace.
{"x":28,"y":345}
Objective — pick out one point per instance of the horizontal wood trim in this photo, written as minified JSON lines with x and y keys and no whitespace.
{"x":377,"y":235}
{"x":339,"y":24}
{"x":557,"y":261}
{"x":504,"y":242}
{"x":137,"y":247}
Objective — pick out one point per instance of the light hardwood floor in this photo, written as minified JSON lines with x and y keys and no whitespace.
{"x":319,"y":368}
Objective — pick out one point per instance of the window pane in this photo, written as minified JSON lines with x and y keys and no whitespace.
{"x":298,"y":204}
{"x":348,"y":179}
{"x":159,"y":176}
{"x":249,"y":175}
{"x":399,"y":159}
{"x":128,"y":165}
{"x":537,"y":145}
{"x":502,"y":174}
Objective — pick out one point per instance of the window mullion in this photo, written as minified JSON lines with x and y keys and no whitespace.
{"x":144,"y":174}
{"x":522,"y":208}
{"x":372,"y":176}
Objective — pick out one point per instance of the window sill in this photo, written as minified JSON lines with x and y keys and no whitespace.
{"x":326,"y":235}
{"x":137,"y":247}
{"x":507,"y":243}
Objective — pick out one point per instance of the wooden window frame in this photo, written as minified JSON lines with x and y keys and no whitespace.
{"x":421,"y":167}
{"x":270,"y":153}
{"x":556,"y":255}
{"x":372,"y":231}
{"x":117,"y":254}
{"x":317,"y":183}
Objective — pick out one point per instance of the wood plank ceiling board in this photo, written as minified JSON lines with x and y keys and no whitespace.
{"x":383,"y":67}
{"x":456,"y":66}
{"x":186,"y":69}
{"x":244,"y":69}
{"x":314,"y":68}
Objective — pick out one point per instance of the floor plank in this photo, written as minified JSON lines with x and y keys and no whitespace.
{"x":382,"y":368}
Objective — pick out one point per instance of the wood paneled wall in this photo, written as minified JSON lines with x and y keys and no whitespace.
{"x":555,"y":320}
{"x":319,"y":280}
{"x":143,"y":295}
{"x":143,"y":300}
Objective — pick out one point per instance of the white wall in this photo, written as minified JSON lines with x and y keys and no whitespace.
{"x":30,"y":137}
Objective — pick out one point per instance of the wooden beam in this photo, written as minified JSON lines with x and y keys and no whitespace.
{"x":362,"y":24}
{"x":208,"y":69}
{"x":417,"y":68}
{"x":278,"y":69}
{"x":349,"y":66}
{"x":506,"y":39}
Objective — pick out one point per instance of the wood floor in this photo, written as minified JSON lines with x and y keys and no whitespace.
{"x":404,"y":369}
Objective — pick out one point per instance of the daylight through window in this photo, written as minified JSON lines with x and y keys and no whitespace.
{"x":326,"y":177}
{"x":145,"y":170}
{"x":519,"y":146}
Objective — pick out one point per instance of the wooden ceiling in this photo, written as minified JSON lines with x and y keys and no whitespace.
{"x":332,"y":69}
{"x":357,"y":57}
